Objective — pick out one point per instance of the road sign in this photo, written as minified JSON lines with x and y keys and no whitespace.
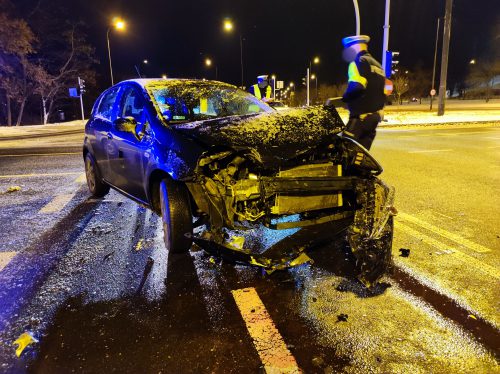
{"x":73,"y":92}
{"x":433,"y":92}
{"x":280,"y":85}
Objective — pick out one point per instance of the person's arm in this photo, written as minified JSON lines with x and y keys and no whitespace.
{"x":356,"y":84}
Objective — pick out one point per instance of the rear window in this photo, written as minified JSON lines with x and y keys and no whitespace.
{"x":107,"y":103}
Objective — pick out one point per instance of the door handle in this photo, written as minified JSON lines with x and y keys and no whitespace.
{"x":110,"y":136}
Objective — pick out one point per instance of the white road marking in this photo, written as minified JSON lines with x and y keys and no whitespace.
{"x":267,"y":340}
{"x":446,"y":234}
{"x":37,"y":175}
{"x":431,"y":151}
{"x":42,"y":154}
{"x":469,"y":260}
{"x":5,"y":258}
{"x":57,"y":203}
{"x":81,"y":179}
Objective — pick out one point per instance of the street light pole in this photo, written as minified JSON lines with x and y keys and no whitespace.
{"x":356,"y":12}
{"x":241,"y":59}
{"x":109,"y":57}
{"x":444,"y":57}
{"x":434,"y":66}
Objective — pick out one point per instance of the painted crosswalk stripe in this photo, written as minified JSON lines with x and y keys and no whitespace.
{"x":37,"y":175}
{"x":469,"y":260}
{"x":431,"y":150}
{"x":42,"y":154}
{"x":267,"y":340}
{"x":5,"y":258}
{"x":446,"y":234}
{"x":57,"y":203}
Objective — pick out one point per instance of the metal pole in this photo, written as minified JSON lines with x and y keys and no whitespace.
{"x":274,"y":88}
{"x":307,"y":85}
{"x":241,"y":59}
{"x":444,"y":57}
{"x":356,"y":12}
{"x":109,"y":56}
{"x":435,"y":58}
{"x":385,"y":46}
{"x":81,"y":97}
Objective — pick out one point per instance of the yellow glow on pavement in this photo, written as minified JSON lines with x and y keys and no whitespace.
{"x":81,"y":178}
{"x":267,"y":340}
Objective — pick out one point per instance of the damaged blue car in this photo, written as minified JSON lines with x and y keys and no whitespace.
{"x":216,"y":163}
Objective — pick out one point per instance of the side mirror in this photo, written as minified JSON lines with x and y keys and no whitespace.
{"x":125,"y":124}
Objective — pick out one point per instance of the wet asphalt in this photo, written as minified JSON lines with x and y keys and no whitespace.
{"x":94,"y":284}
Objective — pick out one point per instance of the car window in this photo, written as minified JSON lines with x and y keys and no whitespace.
{"x":131,"y":105}
{"x":105,"y":109}
{"x":198,"y":102}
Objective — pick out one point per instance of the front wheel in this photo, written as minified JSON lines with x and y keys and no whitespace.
{"x":176,"y":216}
{"x":96,"y":186}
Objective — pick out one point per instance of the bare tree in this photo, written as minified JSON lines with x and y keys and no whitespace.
{"x":401,"y":85}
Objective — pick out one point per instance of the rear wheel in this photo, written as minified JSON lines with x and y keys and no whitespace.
{"x":176,"y":216}
{"x":96,"y":186}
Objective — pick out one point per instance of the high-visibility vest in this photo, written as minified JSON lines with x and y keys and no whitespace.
{"x":258,"y":94}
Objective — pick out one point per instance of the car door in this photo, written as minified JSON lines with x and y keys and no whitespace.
{"x":128,"y":164}
{"x":101,"y":124}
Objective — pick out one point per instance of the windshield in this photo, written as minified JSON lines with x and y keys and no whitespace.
{"x":193,"y":102}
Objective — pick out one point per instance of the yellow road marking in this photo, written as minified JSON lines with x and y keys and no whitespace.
{"x":81,"y":178}
{"x":57,"y":203}
{"x":469,"y":260}
{"x":5,"y":258}
{"x":37,"y":175}
{"x":431,"y":150}
{"x":266,"y":338}
{"x":446,"y":234}
{"x":43,"y":154}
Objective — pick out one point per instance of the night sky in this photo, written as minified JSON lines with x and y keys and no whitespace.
{"x":279,"y":36}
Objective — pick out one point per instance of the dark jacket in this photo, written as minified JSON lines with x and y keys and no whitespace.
{"x":365,"y":88}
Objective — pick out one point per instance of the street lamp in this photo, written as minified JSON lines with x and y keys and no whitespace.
{"x":119,"y":25}
{"x":208,"y":64}
{"x":228,"y":27}
{"x":472,"y":62}
{"x":145,"y":62}
{"x":273,"y":77}
{"x":314,"y":60}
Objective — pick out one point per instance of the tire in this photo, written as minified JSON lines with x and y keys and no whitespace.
{"x":176,"y":216}
{"x":94,"y":182}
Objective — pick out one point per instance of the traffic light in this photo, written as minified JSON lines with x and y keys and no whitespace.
{"x":390,"y":63}
{"x":304,"y":81}
{"x":81,"y":84}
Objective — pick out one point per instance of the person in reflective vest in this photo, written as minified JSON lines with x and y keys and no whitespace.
{"x":262,"y":90}
{"x":366,"y":90}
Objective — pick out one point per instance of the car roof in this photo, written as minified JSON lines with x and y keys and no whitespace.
{"x":150,"y":82}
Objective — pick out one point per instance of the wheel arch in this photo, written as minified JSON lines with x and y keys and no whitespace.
{"x":153,"y":191}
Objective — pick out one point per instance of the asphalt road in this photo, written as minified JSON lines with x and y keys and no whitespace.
{"x":91,"y":281}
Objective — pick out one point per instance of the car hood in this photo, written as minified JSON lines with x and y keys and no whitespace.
{"x":276,"y":136}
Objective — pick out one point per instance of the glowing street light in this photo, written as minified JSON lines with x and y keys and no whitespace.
{"x":119,"y":25}
{"x":164,"y":76}
{"x":316,"y":60}
{"x":208,"y":64}
{"x":472,"y":62}
{"x":145,"y":61}
{"x":228,"y":27}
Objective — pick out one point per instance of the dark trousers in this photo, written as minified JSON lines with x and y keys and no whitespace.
{"x":363,"y":128}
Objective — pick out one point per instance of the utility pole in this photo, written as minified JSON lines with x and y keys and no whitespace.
{"x":385,"y":46}
{"x":81,"y":85}
{"x":444,"y":57}
{"x":433,"y":91}
{"x":307,"y":85}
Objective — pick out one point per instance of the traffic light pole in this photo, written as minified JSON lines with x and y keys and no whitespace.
{"x":307,"y":85}
{"x":444,"y":57}
{"x":385,"y":46}
{"x":81,"y":97}
{"x":434,"y":66}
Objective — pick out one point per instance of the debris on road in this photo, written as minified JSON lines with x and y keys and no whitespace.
{"x":342,"y":317}
{"x":405,"y":252}
{"x":12,"y":189}
{"x":107,"y":256}
{"x":24,"y":340}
